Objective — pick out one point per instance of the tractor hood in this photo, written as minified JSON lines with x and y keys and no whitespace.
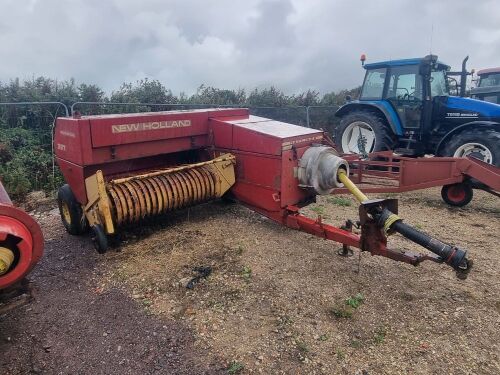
{"x":466,"y":107}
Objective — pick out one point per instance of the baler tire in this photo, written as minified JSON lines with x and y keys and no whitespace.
{"x":71,"y":212}
{"x":489,"y":139}
{"x":457,"y":195}
{"x":384,"y":137}
{"x":99,"y":239}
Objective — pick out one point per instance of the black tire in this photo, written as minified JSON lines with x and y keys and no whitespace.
{"x":384,"y":137}
{"x":488,"y":138}
{"x":71,"y":211}
{"x":457,"y":195}
{"x":99,"y":239}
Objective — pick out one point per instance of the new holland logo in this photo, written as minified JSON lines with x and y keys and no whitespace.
{"x":146,"y":126}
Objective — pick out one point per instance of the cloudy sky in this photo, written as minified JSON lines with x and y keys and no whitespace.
{"x":292,"y":44}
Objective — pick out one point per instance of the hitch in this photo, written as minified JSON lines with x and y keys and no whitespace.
{"x":379,"y":219}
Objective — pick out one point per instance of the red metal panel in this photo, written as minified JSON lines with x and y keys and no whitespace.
{"x":110,"y":131}
{"x":291,"y":193}
{"x":74,"y":177}
{"x":68,"y":141}
{"x":260,"y":135}
{"x":222,"y":133}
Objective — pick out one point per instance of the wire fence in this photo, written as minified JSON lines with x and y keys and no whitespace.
{"x":26,"y":134}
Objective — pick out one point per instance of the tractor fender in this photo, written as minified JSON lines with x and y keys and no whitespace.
{"x":458,"y":129}
{"x":381,"y":106}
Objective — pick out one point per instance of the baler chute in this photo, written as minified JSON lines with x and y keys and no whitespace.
{"x":122,"y":169}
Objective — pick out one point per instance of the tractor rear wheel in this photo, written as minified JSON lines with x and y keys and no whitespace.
{"x":362,"y":132}
{"x":483,"y":144}
{"x":71,"y":211}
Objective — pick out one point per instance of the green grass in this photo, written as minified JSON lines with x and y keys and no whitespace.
{"x":341,"y":312}
{"x":235,"y":367}
{"x":302,"y":347}
{"x":339,"y":201}
{"x":320,"y":210}
{"x":246,"y":273}
{"x":379,"y":335}
{"x":355,"y":301}
{"x":340,"y":354}
{"x":356,"y":344}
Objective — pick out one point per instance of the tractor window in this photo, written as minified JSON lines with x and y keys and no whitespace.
{"x":373,"y":87}
{"x":438,"y":83}
{"x":491,"y":79}
{"x":405,"y":83}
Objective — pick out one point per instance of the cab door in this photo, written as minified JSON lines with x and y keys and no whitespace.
{"x":404,"y":92}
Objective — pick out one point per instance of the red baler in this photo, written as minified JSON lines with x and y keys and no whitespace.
{"x":121,"y":169}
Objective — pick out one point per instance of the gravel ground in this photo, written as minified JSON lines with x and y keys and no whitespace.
{"x":275,"y":302}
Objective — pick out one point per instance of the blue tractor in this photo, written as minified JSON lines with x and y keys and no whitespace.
{"x":405,"y":106}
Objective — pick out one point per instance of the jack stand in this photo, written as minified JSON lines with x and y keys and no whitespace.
{"x":346,"y":251}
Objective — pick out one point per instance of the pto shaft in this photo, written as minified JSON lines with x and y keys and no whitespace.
{"x":451,"y":255}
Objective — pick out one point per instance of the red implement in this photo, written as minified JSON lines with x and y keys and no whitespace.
{"x":21,"y":235}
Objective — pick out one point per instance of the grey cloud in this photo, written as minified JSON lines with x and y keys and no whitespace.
{"x":293,"y":44}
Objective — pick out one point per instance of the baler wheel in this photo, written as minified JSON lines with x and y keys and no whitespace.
{"x":99,"y":239}
{"x":71,"y":212}
{"x":457,"y":195}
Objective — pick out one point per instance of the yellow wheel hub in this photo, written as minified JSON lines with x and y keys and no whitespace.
{"x":6,"y":259}
{"x":65,"y":213}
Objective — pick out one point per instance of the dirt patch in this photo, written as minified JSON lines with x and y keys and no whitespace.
{"x":277,"y":301}
{"x":74,"y":326}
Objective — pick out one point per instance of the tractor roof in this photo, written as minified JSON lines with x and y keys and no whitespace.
{"x":488,"y":71}
{"x":400,"y":62}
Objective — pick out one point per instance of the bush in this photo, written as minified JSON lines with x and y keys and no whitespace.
{"x":26,"y":165}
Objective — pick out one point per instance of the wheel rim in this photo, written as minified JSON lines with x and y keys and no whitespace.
{"x":65,"y":213}
{"x":476,"y":150}
{"x":456,"y":193}
{"x":353,"y":132}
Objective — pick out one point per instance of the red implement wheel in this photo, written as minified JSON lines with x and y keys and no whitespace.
{"x":457,"y":195}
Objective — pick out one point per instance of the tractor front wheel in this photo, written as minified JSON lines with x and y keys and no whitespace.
{"x":362,"y":132}
{"x":483,"y":144}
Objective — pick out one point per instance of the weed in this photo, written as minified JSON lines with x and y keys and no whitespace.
{"x":418,"y":226}
{"x":323,"y":337}
{"x":339,"y":201}
{"x":246,"y":273}
{"x":341,"y":312}
{"x":340,"y":354}
{"x":302,"y":346}
{"x":240,"y":250}
{"x":320,"y":210}
{"x":355,"y":301}
{"x":235,"y":367}
{"x":356,"y":344}
{"x":379,"y":335}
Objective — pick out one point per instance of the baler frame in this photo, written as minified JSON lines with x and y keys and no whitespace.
{"x":386,"y":172}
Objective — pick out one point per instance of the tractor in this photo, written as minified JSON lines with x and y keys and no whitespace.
{"x":488,"y":88}
{"x":405,"y":106}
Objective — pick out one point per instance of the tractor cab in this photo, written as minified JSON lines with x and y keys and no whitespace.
{"x":404,"y":84}
{"x":405,"y":105}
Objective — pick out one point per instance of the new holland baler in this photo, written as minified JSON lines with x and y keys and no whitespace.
{"x":126,"y":168}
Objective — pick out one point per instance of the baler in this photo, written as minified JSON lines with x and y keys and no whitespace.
{"x":126,"y":168}
{"x":21,"y":242}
